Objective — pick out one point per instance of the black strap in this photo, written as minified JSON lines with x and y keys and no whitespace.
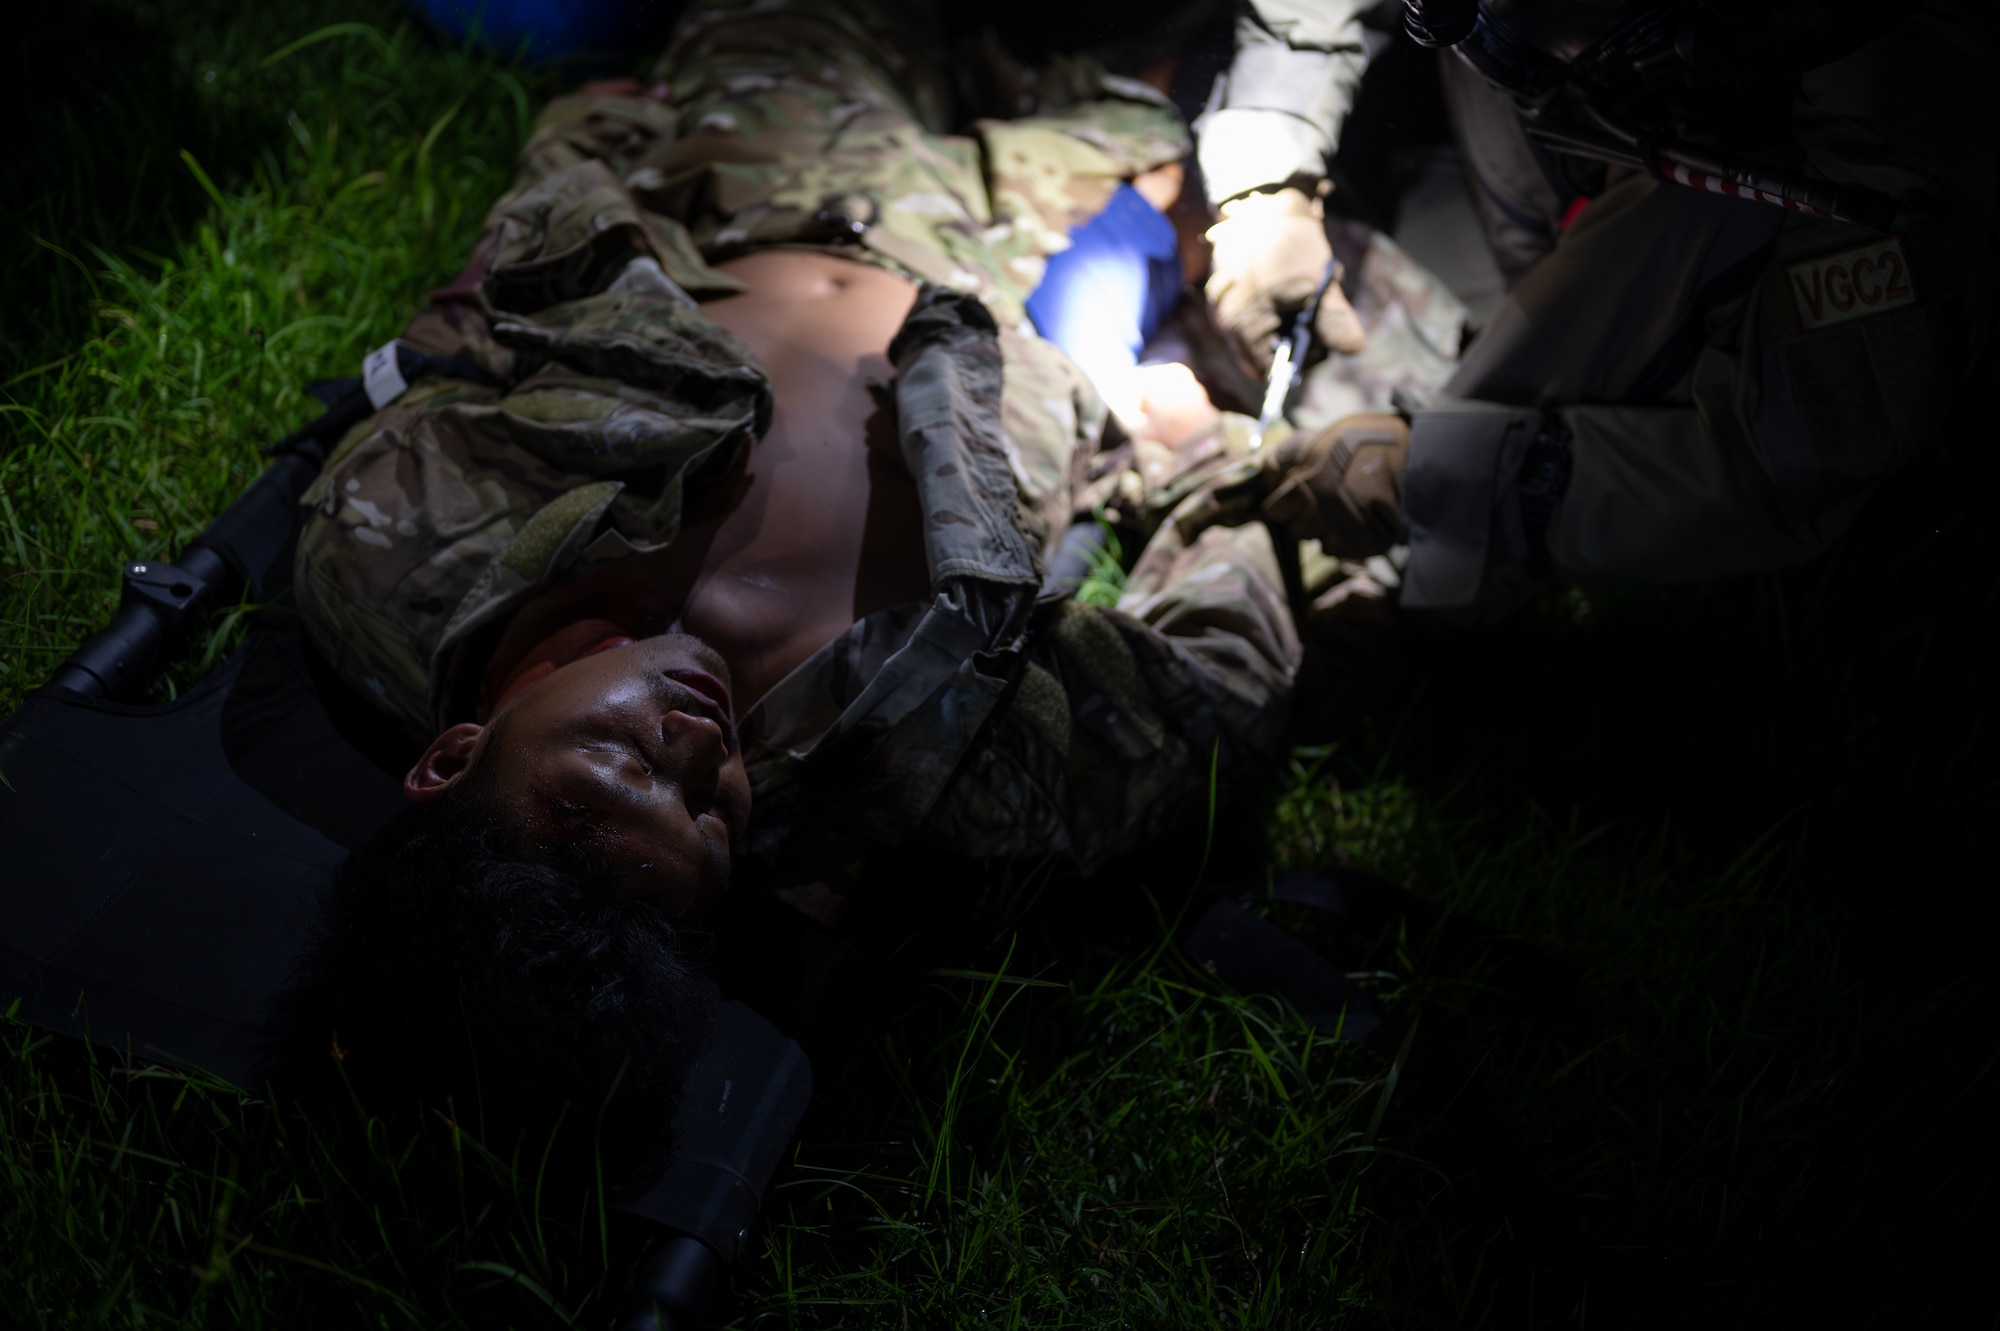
{"x":347,"y":405}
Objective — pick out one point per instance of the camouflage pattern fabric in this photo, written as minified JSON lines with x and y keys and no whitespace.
{"x":995,"y":719}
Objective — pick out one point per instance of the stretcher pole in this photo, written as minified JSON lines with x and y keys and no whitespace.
{"x":162,"y":603}
{"x":1719,"y":173}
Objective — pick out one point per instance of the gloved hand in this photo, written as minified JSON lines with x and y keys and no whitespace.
{"x":1343,"y":486}
{"x":1271,"y":251}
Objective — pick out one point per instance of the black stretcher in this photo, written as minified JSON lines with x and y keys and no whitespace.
{"x":160,"y":860}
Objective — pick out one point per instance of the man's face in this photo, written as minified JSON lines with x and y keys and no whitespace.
{"x":631,"y":754}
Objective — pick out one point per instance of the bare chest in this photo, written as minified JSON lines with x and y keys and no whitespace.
{"x":820,"y":527}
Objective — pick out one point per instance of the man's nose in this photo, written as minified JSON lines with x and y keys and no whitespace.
{"x":699,"y":743}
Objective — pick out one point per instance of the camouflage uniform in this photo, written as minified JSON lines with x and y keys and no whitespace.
{"x":1680,"y":384}
{"x":993,"y":718}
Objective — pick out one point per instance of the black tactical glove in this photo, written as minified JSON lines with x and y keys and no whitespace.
{"x":1343,"y":486}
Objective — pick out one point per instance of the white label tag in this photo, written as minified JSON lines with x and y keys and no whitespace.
{"x":382,"y":377}
{"x":1852,"y":284}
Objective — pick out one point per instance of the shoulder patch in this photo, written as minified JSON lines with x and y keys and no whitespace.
{"x":1850,"y":284}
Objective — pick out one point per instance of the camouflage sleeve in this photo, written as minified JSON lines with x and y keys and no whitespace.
{"x":1120,"y":719}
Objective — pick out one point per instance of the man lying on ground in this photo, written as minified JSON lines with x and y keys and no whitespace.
{"x":740,"y":491}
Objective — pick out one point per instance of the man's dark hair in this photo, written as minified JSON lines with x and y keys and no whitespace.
{"x":452,"y":969}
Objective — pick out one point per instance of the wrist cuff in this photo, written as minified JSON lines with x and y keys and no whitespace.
{"x":1242,"y":152}
{"x":1458,"y":496}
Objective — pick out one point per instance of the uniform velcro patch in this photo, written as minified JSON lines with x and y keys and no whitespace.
{"x":1850,"y":284}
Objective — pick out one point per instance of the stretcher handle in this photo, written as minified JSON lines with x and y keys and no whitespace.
{"x":675,"y":1288}
{"x":162,"y":603}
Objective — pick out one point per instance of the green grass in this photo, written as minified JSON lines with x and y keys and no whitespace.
{"x":1706,"y":1029}
{"x":149,"y":364}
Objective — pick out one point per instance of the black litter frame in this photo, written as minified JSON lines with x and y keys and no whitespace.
{"x":161,"y":859}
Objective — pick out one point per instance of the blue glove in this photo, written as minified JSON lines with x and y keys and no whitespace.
{"x":1104,"y":297}
{"x":549,"y":29}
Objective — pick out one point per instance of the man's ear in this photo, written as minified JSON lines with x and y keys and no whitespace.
{"x":443,"y":764}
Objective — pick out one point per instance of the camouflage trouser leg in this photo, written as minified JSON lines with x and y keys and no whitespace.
{"x":812,"y":123}
{"x":794,"y":130}
{"x":893,"y":47}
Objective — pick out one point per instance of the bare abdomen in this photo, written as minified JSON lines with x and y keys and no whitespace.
{"x":824,"y":527}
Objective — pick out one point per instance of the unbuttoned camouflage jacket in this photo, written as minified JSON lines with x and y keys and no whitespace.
{"x":595,"y":401}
